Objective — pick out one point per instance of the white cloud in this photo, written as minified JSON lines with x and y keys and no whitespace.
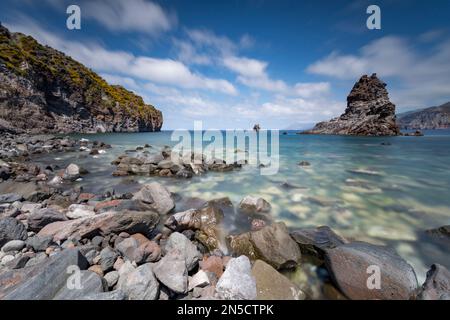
{"x":311,"y":89}
{"x":131,"y":15}
{"x":165,"y":71}
{"x":420,"y":77}
{"x":245,"y":66}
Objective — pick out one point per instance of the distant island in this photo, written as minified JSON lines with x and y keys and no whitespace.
{"x":44,"y":91}
{"x":426,"y":119}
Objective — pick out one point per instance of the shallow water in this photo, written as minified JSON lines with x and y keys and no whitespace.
{"x":397,"y":191}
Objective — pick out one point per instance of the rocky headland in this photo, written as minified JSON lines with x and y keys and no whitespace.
{"x":426,"y":119}
{"x":43,"y":90}
{"x":369,"y":112}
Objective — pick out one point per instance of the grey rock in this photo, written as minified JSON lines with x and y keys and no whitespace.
{"x":10,"y":197}
{"x":37,"y":259}
{"x":38,"y":243}
{"x":107,"y":258}
{"x":171,"y":271}
{"x":128,"y":248}
{"x":237,"y":282}
{"x":140,"y":284}
{"x":13,"y":245}
{"x":437,"y":284}
{"x":90,"y":283}
{"x":348,"y":265}
{"x":157,"y":196}
{"x":40,"y":218}
{"x":111,"y":278}
{"x":11,"y":229}
{"x":110,"y":295}
{"x":42,"y":281}
{"x":189,"y":251}
{"x":254,"y":205}
{"x":18,"y":262}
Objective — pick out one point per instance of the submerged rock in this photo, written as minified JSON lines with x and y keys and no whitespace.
{"x":271,"y":244}
{"x":272,"y":285}
{"x":350,"y":266}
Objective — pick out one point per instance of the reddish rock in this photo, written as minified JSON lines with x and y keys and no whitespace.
{"x":107,"y":204}
{"x":212,"y":264}
{"x":85,"y":196}
{"x":97,"y":269}
{"x":140,"y":238}
{"x":258,"y":224}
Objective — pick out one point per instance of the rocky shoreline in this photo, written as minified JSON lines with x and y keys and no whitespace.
{"x":59,"y":242}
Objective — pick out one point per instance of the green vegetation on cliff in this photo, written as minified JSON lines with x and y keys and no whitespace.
{"x":25,"y":57}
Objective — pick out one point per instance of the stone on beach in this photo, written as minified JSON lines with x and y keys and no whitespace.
{"x":157,"y":196}
{"x":271,"y":244}
{"x":272,"y":285}
{"x":13,"y":245}
{"x":188,"y":250}
{"x":237,"y":282}
{"x":72,"y":172}
{"x":103,"y":224}
{"x":76,"y":211}
{"x":437,"y":284}
{"x":42,"y":217}
{"x":348,"y":266}
{"x":90,"y":283}
{"x":11,"y":229}
{"x":172,"y":272}
{"x":139,"y":284}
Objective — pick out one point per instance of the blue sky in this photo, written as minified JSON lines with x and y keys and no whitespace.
{"x":235,"y":63}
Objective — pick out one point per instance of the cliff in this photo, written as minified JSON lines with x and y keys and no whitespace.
{"x":429,"y":118}
{"x":369,"y":112}
{"x":43,"y":90}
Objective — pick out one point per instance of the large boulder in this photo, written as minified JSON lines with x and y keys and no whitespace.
{"x":354,"y":266}
{"x":437,"y":284}
{"x":369,"y":112}
{"x":157,"y":196}
{"x":103,"y":224}
{"x":271,"y":244}
{"x":237,"y":282}
{"x":41,"y":281}
{"x":272,"y":285}
{"x":11,"y":229}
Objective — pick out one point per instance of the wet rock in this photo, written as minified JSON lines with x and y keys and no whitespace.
{"x":316,"y":241}
{"x":205,"y":221}
{"x":103,"y":224}
{"x":38,"y":243}
{"x":237,"y":282}
{"x":172,"y":272}
{"x":40,"y":218}
{"x":13,"y":245}
{"x":72,"y":172}
{"x":157,"y":196}
{"x":140,"y":284}
{"x":90,"y":283}
{"x":437,"y":284}
{"x":442,"y":233}
{"x":33,"y":283}
{"x":304,"y":164}
{"x":77,"y":211}
{"x":253,"y":205}
{"x":348,"y":265}
{"x":11,"y":229}
{"x":271,"y":244}
{"x":272,"y":285}
{"x":179,"y":242}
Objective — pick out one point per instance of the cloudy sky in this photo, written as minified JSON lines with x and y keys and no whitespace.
{"x":235,"y":63}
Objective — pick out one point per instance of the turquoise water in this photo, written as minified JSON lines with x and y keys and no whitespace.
{"x":403,"y":190}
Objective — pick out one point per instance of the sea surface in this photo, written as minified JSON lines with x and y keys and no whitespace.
{"x":384,"y":190}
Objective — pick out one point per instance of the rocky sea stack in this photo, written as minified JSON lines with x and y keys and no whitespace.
{"x":44,"y":91}
{"x":369,"y":112}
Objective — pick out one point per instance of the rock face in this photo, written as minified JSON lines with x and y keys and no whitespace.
{"x":348,"y":265}
{"x":429,"y":118}
{"x":43,"y":90}
{"x":369,"y":112}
